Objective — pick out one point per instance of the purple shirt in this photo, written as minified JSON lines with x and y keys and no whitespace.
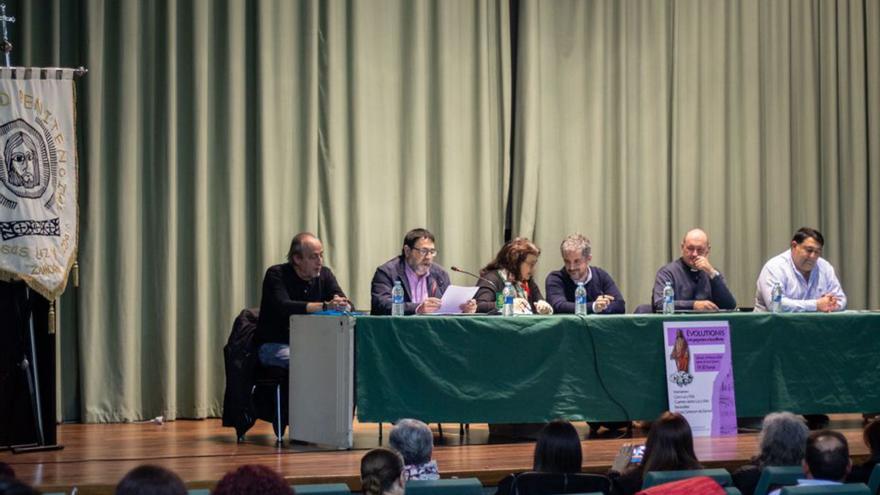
{"x":418,"y":286}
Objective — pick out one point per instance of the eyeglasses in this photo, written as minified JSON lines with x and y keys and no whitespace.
{"x":425,"y":251}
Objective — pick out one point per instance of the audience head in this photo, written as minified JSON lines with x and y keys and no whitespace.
{"x":413,"y":439}
{"x":418,"y":250}
{"x":150,"y":480}
{"x":558,"y":449}
{"x":871,"y":436}
{"x":6,"y":471}
{"x":382,"y":472}
{"x":694,"y":245}
{"x":783,"y":439}
{"x":827,"y":456}
{"x":576,"y":254}
{"x":12,"y":486}
{"x":306,"y":254}
{"x":252,"y":479}
{"x":519,"y":257}
{"x":670,"y":445}
{"x":806,"y":248}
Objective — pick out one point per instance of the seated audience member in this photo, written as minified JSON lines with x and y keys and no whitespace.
{"x":150,"y":480}
{"x":603,"y":296}
{"x":558,"y":450}
{"x":871,"y":437}
{"x":415,"y":442}
{"x":514,"y":263}
{"x":252,"y":479}
{"x":808,"y":281}
{"x":698,"y":285}
{"x":782,"y":442}
{"x":826,"y":461}
{"x":382,"y":473}
{"x":12,"y":486}
{"x":669,"y":447}
{"x":424,"y":281}
{"x":302,"y":285}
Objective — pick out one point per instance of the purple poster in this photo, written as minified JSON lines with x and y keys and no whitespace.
{"x":699,"y":374}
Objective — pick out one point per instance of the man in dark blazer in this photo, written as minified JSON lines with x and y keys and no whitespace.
{"x":424,"y":281}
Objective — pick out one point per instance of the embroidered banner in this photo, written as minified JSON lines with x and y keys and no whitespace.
{"x":38,"y":178}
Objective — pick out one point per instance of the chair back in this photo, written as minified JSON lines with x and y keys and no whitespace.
{"x":447,"y":486}
{"x":322,"y":489}
{"x":721,"y":476}
{"x":534,"y":483}
{"x":777,"y":476}
{"x":843,"y":489}
{"x":874,"y":481}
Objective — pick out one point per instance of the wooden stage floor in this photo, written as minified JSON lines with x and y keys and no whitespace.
{"x":95,"y":457}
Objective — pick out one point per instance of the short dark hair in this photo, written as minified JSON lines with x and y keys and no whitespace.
{"x":150,"y":480}
{"x":804,"y":232}
{"x":511,"y":255}
{"x":296,"y":245}
{"x":670,"y":445}
{"x":380,"y":468}
{"x":558,"y":449}
{"x":827,"y":455}
{"x":871,"y":436}
{"x":413,"y":236}
{"x":252,"y":479}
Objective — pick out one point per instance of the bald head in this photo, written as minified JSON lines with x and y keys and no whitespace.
{"x":694,"y":245}
{"x":306,"y":254}
{"x":827,"y":456}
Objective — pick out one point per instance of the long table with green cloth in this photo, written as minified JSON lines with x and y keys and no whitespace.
{"x":477,"y":369}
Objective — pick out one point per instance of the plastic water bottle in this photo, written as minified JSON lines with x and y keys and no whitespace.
{"x":776,"y":298}
{"x":580,"y":299}
{"x":668,"y":299}
{"x":397,"y":299}
{"x":509,"y":294}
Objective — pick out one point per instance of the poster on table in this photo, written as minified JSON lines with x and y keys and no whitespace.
{"x":699,"y":375}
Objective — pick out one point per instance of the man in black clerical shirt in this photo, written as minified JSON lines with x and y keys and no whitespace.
{"x":302,"y":285}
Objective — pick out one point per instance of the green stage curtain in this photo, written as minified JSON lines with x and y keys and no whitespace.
{"x":638,"y":120}
{"x":211,"y":132}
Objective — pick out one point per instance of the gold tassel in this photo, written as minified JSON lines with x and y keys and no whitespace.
{"x":76,"y":274}
{"x":52,"y":318}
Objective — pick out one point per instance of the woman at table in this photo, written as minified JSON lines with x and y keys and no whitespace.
{"x":514,"y":263}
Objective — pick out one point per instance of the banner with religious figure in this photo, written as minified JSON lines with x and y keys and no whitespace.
{"x":699,"y":372}
{"x":38,"y":178}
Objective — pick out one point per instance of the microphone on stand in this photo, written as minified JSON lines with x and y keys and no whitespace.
{"x":459,"y":270}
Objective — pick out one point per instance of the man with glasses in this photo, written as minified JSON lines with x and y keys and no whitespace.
{"x":424,"y":281}
{"x":808,"y":281}
{"x":698,"y":285}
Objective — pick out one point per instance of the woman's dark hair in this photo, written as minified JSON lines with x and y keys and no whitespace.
{"x":252,"y":479}
{"x":670,"y":445}
{"x":150,"y":480}
{"x":380,"y":468}
{"x":871,"y":436}
{"x":511,"y":256}
{"x":558,"y":449}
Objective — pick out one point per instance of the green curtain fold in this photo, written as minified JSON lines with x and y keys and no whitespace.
{"x":211,"y":132}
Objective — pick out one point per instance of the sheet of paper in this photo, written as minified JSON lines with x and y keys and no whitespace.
{"x":454,"y":297}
